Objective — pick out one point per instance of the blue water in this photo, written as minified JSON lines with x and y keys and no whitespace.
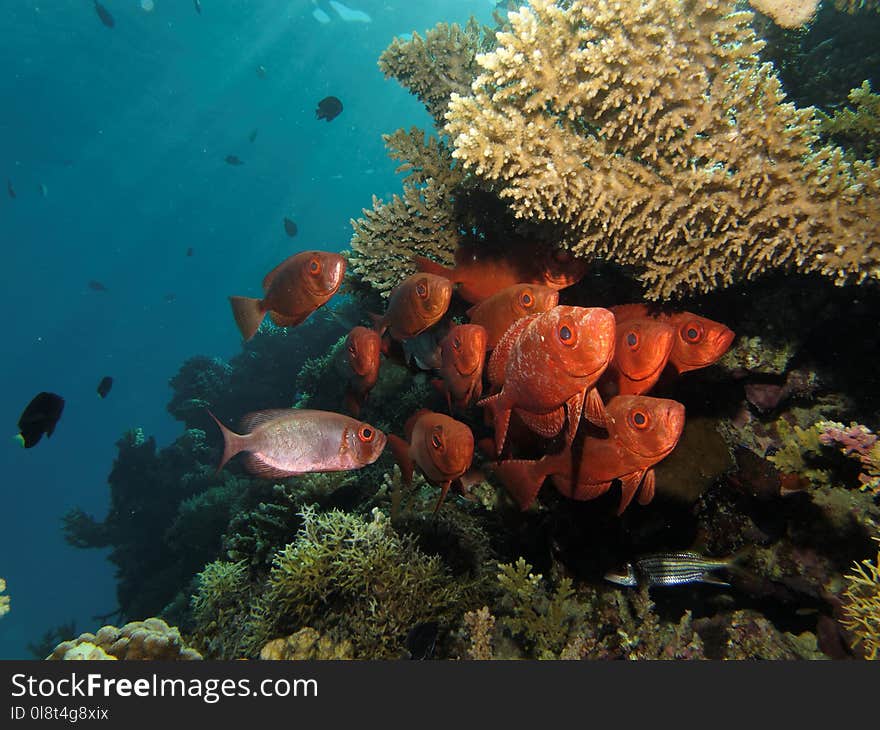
{"x":128,"y":129}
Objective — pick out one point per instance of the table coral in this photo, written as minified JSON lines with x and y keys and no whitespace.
{"x":653,"y":135}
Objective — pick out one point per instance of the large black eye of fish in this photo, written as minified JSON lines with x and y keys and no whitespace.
{"x":456,"y":343}
{"x":314,"y":267}
{"x":566,"y":335}
{"x":632,"y":339}
{"x":366,"y":434}
{"x":526,"y":299}
{"x":422,"y":289}
{"x":638,"y":419}
{"x":692,"y":332}
{"x":436,"y":440}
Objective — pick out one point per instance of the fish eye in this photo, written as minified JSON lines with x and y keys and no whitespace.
{"x":314,"y":267}
{"x":456,"y":343}
{"x":422,"y":289}
{"x":436,"y":439}
{"x":692,"y":333}
{"x":352,"y":349}
{"x":366,"y":434}
{"x":632,"y":339}
{"x":638,"y":419}
{"x":566,"y":335}
{"x":526,"y":299}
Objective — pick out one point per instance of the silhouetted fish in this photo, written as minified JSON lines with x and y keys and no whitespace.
{"x":44,"y":191}
{"x":290,"y":227}
{"x":190,"y":251}
{"x":97,"y":286}
{"x":104,"y":15}
{"x":39,"y":417}
{"x":261,"y":71}
{"x":104,"y":386}
{"x":252,"y":136}
{"x":233,"y":160}
{"x":198,"y":6}
{"x":328,"y":108}
{"x":10,"y":189}
{"x":170,"y":297}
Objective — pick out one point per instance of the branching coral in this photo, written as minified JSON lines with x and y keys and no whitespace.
{"x":219,"y":608}
{"x":856,"y":6}
{"x":149,"y":639}
{"x":855,"y":441}
{"x":861,"y":608}
{"x":859,"y":127}
{"x":438,"y":64}
{"x":4,"y":600}
{"x":422,"y":221}
{"x":787,"y":13}
{"x":653,"y":135}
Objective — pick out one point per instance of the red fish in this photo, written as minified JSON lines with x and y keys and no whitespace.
{"x":641,"y":351}
{"x":641,"y":432}
{"x":285,"y":442}
{"x":480,"y":275}
{"x":698,"y":341}
{"x":507,"y":306}
{"x":362,"y":348}
{"x":551,"y":363}
{"x":440,"y":446}
{"x":293,"y":290}
{"x":463,"y":354}
{"x":415,"y":304}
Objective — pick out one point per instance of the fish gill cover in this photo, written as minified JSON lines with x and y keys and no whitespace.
{"x":749,"y":221}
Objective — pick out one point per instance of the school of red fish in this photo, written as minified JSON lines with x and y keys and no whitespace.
{"x":566,"y":384}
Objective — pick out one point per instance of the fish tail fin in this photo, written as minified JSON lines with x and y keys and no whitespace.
{"x":427,"y":266}
{"x":233,"y":443}
{"x":522,"y":479}
{"x":400,"y":451}
{"x":248,"y":315}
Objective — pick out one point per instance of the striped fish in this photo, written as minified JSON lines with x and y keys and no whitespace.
{"x":670,"y":569}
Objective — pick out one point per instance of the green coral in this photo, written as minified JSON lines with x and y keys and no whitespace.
{"x":357,"y":580}
{"x":858,"y":128}
{"x":219,"y":608}
{"x":4,"y":600}
{"x":861,"y":608}
{"x":799,"y":452}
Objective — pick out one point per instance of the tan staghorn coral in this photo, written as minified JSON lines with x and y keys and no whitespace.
{"x":650,"y":133}
{"x":861,"y":607}
{"x":787,"y":13}
{"x":438,"y":64}
{"x":4,"y":600}
{"x":421,"y":222}
{"x":856,"y":6}
{"x":138,"y":640}
{"x":858,"y":128}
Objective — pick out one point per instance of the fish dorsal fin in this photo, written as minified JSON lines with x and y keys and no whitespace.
{"x":269,"y":278}
{"x":432,"y":267}
{"x":649,"y":483}
{"x":501,"y":354}
{"x":544,"y":424}
{"x":254,"y":463}
{"x":284,"y":321}
{"x":250,"y":421}
{"x":629,"y":484}
{"x":626,"y":312}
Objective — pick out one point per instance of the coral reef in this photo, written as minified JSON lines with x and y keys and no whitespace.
{"x":138,"y":640}
{"x":4,"y":600}
{"x":861,"y":607}
{"x":857,"y":6}
{"x":306,"y":644}
{"x":697,"y":172}
{"x":440,"y":63}
{"x":856,"y":441}
{"x":857,"y":128}
{"x":787,"y":13}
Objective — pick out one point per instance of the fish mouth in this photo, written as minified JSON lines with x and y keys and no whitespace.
{"x":381,"y":440}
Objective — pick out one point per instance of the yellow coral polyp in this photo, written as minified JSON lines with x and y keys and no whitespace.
{"x":654,"y":134}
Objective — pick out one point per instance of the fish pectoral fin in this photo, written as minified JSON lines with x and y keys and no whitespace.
{"x":284,"y":321}
{"x":649,"y":484}
{"x":629,"y":484}
{"x":574,"y":407}
{"x":712,"y":580}
{"x":500,"y":415}
{"x":544,"y":424}
{"x":259,"y":468}
{"x":594,"y":409}
{"x":444,"y":488}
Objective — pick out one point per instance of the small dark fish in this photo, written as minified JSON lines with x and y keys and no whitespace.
{"x":44,"y":191}
{"x":253,"y":136}
{"x":104,"y":15}
{"x":328,"y":108}
{"x":198,"y":5}
{"x":290,"y":227}
{"x":421,"y":640}
{"x":233,"y":160}
{"x":189,"y":251}
{"x":261,"y":71}
{"x":40,"y":417}
{"x":170,"y":297}
{"x":97,"y":286}
{"x":670,"y":569}
{"x":104,"y":386}
{"x":10,"y":189}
